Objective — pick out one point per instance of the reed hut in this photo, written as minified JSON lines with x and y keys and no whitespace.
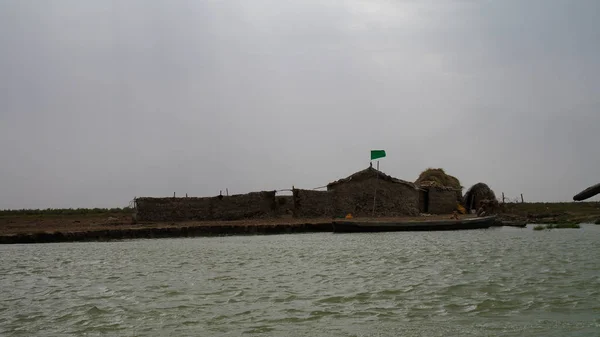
{"x":357,"y":193}
{"x":439,"y":192}
{"x":478,"y":194}
{"x":438,"y":177}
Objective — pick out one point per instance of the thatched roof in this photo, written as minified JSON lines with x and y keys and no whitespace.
{"x":425,"y":185}
{"x":437,"y":177}
{"x":478,"y":193}
{"x":368,"y":173}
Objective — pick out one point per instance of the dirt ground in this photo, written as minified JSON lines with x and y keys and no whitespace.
{"x":550,"y":213}
{"x":27,"y":224}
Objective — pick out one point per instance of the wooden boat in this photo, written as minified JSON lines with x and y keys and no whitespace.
{"x":356,"y":226}
{"x":587,"y":193}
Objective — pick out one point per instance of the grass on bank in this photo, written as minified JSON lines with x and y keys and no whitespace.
{"x":555,"y":226}
{"x":563,"y":225}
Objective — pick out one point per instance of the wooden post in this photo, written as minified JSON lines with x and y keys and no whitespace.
{"x":227,"y":191}
{"x":522,"y":201}
{"x":186,"y":195}
{"x":173,"y":194}
{"x":376,"y":181}
{"x":502,"y":197}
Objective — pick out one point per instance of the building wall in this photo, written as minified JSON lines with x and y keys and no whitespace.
{"x":392,"y":199}
{"x":355,"y":197}
{"x":442,"y":201}
{"x":285,"y":204}
{"x":172,"y":209}
{"x":244,"y":206}
{"x":311,"y":204}
{"x":235,"y":207}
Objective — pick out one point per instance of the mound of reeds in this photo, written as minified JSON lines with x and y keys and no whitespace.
{"x":477,"y":194}
{"x":438,"y":177}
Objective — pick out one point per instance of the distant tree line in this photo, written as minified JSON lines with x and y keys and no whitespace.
{"x":64,"y":211}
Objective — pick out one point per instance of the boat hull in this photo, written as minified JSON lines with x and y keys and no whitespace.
{"x":587,"y":193}
{"x":439,"y":225}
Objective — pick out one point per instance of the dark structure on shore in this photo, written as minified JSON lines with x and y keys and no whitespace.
{"x":435,"y":199}
{"x":478,"y":195}
{"x":439,"y":192}
{"x":366,"y":193}
{"x":357,"y":194}
{"x":235,"y":207}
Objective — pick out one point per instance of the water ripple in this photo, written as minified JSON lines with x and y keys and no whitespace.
{"x":476,"y":283}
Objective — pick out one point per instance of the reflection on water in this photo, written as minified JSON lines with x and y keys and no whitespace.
{"x":508,"y":282}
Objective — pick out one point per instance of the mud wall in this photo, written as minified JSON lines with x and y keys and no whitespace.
{"x":311,"y":204}
{"x":356,"y":198}
{"x":423,"y":200}
{"x":392,"y":199}
{"x":442,"y":201}
{"x":285,"y":204}
{"x":235,"y":207}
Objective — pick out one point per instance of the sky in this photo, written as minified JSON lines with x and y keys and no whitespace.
{"x":102,"y":101}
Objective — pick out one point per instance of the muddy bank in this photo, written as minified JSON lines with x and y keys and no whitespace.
{"x":70,"y":229}
{"x":41,"y":228}
{"x":163,"y":232}
{"x":550,"y":213}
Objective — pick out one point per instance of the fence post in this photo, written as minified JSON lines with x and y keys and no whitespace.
{"x":522,"y":200}
{"x":502,"y":197}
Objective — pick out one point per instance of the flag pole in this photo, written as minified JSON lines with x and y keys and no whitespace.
{"x":376,"y":154}
{"x":376,"y":182}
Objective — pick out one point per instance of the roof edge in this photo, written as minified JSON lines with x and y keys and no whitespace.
{"x":376,"y":172}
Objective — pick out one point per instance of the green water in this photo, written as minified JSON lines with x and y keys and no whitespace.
{"x":496,"y":282}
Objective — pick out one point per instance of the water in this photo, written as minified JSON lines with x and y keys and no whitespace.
{"x":497,"y":282}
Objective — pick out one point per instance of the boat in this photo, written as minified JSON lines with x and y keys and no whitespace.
{"x":358,"y":226}
{"x":587,"y":193}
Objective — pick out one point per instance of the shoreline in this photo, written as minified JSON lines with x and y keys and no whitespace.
{"x":115,"y":234}
{"x":78,"y":229}
{"x":97,"y":229}
{"x":47,"y":227}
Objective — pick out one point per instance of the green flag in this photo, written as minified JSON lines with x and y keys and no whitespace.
{"x":376,"y":154}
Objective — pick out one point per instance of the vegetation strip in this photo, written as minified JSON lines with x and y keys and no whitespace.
{"x":164,"y":232}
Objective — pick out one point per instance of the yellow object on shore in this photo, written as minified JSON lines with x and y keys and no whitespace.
{"x":348,"y":216}
{"x":461,"y":209}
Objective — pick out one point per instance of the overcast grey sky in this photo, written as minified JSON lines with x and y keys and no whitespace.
{"x":101,"y":101}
